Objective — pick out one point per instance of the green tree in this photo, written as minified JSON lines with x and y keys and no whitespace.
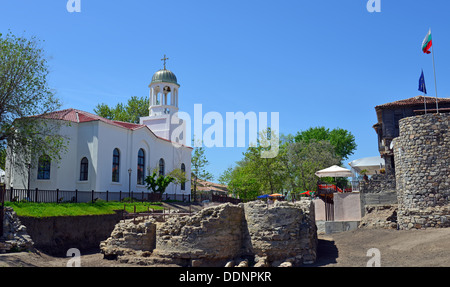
{"x":131,"y":112}
{"x":198,"y":168}
{"x":25,"y":98}
{"x":244,"y":182}
{"x":179,"y":176}
{"x":254,"y":174}
{"x":342,"y":140}
{"x":302,"y":159}
{"x":158,"y":182}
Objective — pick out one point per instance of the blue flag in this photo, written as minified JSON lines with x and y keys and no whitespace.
{"x":422,"y":86}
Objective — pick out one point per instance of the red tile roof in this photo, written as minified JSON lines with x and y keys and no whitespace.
{"x":77,"y":116}
{"x":413,"y":101}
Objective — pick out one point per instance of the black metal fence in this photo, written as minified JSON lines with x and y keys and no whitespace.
{"x":2,"y":207}
{"x":59,"y":196}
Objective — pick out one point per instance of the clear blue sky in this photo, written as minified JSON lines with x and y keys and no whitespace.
{"x":317,"y":62}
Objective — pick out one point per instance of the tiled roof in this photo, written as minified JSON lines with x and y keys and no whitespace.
{"x":77,"y":116}
{"x":204,"y":185}
{"x":413,"y":101}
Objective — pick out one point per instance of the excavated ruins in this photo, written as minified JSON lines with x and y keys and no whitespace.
{"x":250,"y":234}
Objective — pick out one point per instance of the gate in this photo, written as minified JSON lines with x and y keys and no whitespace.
{"x":2,"y":207}
{"x":329,"y":207}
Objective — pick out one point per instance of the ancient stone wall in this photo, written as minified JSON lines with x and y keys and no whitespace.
{"x":422,"y":166}
{"x":210,"y":237}
{"x":252,"y":233}
{"x":15,"y":237}
{"x":286,"y":231}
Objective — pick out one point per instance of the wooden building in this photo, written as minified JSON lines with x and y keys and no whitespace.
{"x":390,"y":114}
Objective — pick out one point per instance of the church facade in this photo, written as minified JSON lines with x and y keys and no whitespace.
{"x":114,"y":156}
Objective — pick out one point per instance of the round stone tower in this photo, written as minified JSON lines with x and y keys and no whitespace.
{"x":422,"y":168}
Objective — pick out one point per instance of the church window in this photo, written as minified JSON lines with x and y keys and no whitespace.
{"x":161,"y":167}
{"x":84,"y":167}
{"x":141,"y":167}
{"x":116,"y":165}
{"x":44,"y":167}
{"x":183,"y":184}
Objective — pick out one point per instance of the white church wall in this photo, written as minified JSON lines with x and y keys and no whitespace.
{"x":87,"y":146}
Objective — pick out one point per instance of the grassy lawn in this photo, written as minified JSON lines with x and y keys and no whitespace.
{"x":31,"y":209}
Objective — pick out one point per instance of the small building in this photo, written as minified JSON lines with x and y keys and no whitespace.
{"x":389,"y":115}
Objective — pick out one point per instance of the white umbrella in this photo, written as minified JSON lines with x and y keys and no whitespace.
{"x":334,"y":171}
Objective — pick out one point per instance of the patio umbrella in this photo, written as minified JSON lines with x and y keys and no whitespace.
{"x":306,"y":193}
{"x":276,"y":195}
{"x":334,"y":171}
{"x":263,"y":196}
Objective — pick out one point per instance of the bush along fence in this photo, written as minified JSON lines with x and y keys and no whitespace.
{"x":77,"y":196}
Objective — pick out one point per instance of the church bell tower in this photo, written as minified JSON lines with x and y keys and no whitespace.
{"x":163,"y":105}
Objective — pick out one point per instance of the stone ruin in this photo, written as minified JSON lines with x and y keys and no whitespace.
{"x":422,"y":166}
{"x":15,"y":237}
{"x":250,"y":234}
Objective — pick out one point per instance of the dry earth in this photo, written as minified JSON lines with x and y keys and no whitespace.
{"x":414,"y":248}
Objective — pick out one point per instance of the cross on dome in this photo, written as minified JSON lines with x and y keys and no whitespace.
{"x":164,"y":59}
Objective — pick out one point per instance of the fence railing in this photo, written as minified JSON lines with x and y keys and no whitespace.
{"x":2,"y":207}
{"x":76,"y":196}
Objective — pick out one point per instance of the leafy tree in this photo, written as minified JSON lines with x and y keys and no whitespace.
{"x":302,"y":159}
{"x":158,"y":182}
{"x":2,"y":157}
{"x":342,"y":140}
{"x":131,"y":112}
{"x":198,"y":168}
{"x":226,"y":176}
{"x":244,"y":182}
{"x":25,"y":98}
{"x":255,"y":174}
{"x":293,"y":169}
{"x":179,"y":176}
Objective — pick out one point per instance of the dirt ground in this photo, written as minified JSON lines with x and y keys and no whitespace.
{"x":414,"y":248}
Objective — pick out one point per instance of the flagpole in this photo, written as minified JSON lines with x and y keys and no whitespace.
{"x":435,"y":85}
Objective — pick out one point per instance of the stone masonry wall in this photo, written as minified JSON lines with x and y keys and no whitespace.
{"x":422,"y":166}
{"x":252,"y":233}
{"x":286,"y":231}
{"x":15,"y":237}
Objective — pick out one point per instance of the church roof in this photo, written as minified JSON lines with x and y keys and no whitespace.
{"x":78,"y":116}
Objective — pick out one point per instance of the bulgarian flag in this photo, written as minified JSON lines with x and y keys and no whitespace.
{"x":426,"y":44}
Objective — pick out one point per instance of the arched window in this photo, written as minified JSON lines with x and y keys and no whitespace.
{"x":84,"y":167}
{"x":141,"y":167}
{"x":116,"y":165}
{"x":44,"y":167}
{"x":161,"y":167}
{"x":183,"y":169}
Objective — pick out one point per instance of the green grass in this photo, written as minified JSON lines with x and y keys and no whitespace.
{"x":40,"y":210}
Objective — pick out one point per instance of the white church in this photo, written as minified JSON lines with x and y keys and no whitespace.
{"x":114,"y":156}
